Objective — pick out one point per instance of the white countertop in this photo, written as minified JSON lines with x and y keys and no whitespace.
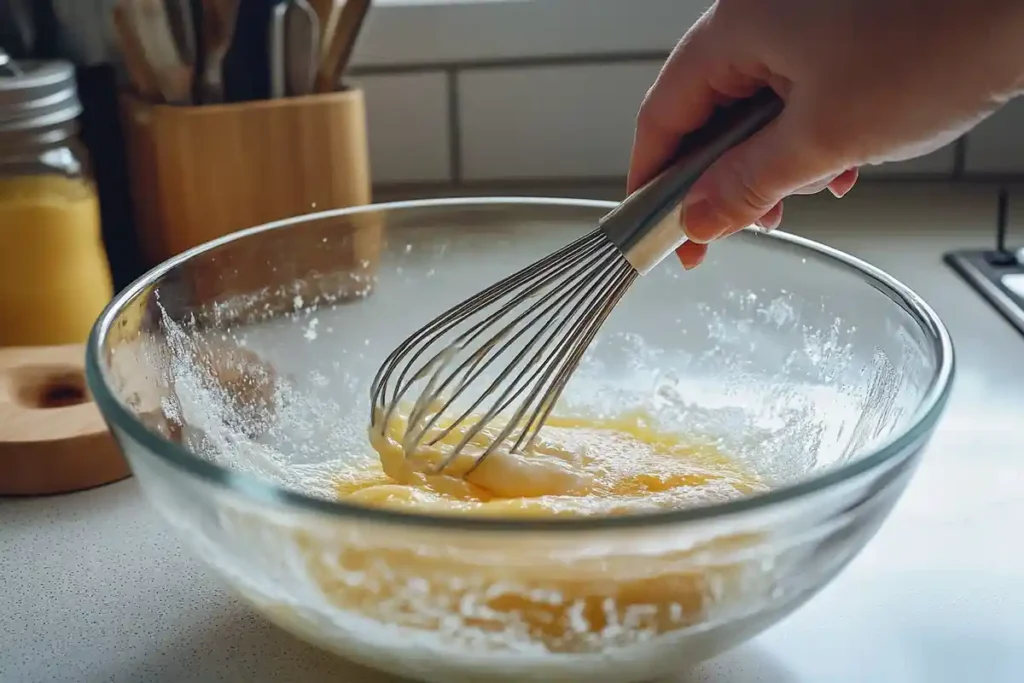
{"x":93,"y":586}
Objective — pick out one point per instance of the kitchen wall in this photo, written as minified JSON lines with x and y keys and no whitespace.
{"x":486,"y":91}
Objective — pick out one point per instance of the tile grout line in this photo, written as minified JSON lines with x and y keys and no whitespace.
{"x":512,"y":62}
{"x":960,"y":158}
{"x":454,"y":126}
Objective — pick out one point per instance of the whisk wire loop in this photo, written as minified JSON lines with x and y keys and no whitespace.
{"x":549,"y":363}
{"x":532,"y":327}
{"x":417,"y":344}
{"x":550,"y":310}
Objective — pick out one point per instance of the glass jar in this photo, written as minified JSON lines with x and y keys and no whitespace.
{"x":54,"y":275}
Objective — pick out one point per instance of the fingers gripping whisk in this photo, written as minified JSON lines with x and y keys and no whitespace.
{"x":494,"y":366}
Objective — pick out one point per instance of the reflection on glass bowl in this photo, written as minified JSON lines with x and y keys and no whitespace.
{"x":236,"y":379}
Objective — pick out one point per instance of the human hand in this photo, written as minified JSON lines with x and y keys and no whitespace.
{"x":865,"y":81}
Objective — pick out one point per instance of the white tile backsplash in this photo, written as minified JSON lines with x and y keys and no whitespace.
{"x":408,"y":127}
{"x":574,"y":121}
{"x":404,"y":32}
{"x":997,"y":144}
{"x":525,"y":117}
{"x":570,"y":121}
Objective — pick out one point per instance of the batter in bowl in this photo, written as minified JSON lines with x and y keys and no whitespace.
{"x":577,"y":467}
{"x":465,"y":594}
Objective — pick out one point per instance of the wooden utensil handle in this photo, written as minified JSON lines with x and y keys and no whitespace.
{"x":328,"y":12}
{"x":143,"y":79}
{"x":342,"y":42}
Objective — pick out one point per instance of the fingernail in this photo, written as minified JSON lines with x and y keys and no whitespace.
{"x":703,"y":223}
{"x":691,"y":266}
{"x":840,"y":194}
{"x":770,"y":222}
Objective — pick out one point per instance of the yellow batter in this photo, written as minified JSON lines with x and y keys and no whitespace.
{"x":577,"y":467}
{"x":484,"y":591}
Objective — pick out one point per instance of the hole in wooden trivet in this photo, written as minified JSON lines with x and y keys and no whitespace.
{"x":44,"y":387}
{"x":62,"y":394}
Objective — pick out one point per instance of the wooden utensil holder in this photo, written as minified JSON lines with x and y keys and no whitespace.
{"x":199,"y":173}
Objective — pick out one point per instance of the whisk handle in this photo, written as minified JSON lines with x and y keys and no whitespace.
{"x":645,"y":226}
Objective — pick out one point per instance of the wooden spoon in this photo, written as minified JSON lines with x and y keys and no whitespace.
{"x":142,"y":76}
{"x":153,"y":28}
{"x":328,"y":12}
{"x":218,"y":30}
{"x":340,"y":43}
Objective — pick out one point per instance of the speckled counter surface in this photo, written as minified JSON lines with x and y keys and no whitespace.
{"x":93,"y":586}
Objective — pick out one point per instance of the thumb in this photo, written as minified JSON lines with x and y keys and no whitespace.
{"x":749,"y":180}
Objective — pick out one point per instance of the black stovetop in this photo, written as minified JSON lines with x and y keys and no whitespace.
{"x":997,"y":274}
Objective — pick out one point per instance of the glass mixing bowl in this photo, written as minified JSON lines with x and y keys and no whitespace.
{"x":236,"y":379}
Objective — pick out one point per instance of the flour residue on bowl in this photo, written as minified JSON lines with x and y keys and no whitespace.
{"x":783,"y":410}
{"x":302,"y":430}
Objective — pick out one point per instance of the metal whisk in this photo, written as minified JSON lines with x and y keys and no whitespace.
{"x":492,"y":368}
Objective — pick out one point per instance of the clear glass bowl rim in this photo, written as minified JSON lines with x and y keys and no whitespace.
{"x":257,"y":490}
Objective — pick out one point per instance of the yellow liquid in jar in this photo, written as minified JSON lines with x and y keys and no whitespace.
{"x":580,"y":468}
{"x":54,"y":276}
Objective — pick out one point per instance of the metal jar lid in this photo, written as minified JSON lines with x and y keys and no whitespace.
{"x":38,"y":95}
